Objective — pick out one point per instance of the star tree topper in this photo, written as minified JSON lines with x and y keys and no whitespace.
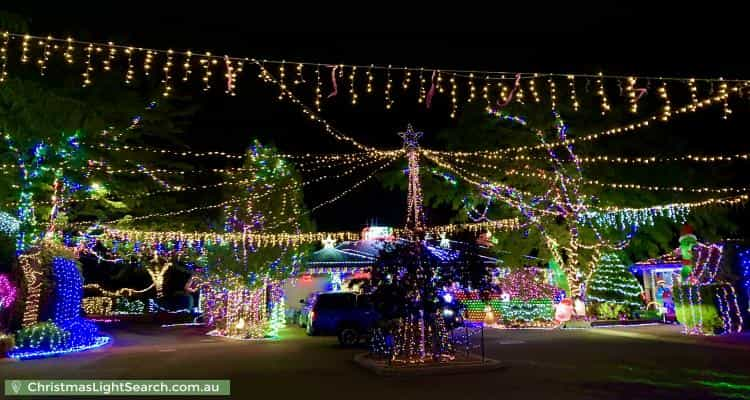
{"x":411,"y":138}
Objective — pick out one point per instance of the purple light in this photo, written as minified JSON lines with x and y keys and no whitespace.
{"x":7,"y":292}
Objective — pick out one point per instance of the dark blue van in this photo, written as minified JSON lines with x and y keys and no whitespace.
{"x":347,"y":315}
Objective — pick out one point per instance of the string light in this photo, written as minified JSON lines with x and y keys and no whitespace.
{"x":131,"y":68}
{"x":532,"y":89}
{"x":351,"y":188}
{"x":713,"y":201}
{"x":300,"y":76}
{"x":167,"y":77}
{"x":318,"y":89}
{"x":387,"y":89}
{"x":25,"y":49}
{"x":459,"y":72}
{"x":630,"y":127}
{"x":4,"y":57}
{"x":472,"y":88}
{"x":726,"y":111}
{"x":147,"y":59}
{"x":31,"y":268}
{"x":282,"y":77}
{"x":406,"y":79}
{"x":9,"y":225}
{"x":632,"y":98}
{"x":327,"y":127}
{"x":519,"y":97}
{"x":454,"y":98}
{"x":205,"y":63}
{"x":69,"y":49}
{"x":646,"y":160}
{"x":88,"y":67}
{"x":553,"y":93}
{"x":602,"y":94}
{"x":352,"y":90}
{"x":667,"y":108}
{"x":111,"y":53}
{"x":8,"y":292}
{"x":44,"y":45}
{"x":369,"y":80}
{"x":486,"y":92}
{"x":100,"y":305}
{"x":414,"y":213}
{"x":187,"y":66}
{"x":118,"y":292}
{"x":693,"y":93}
{"x":612,"y":283}
{"x":572,"y":87}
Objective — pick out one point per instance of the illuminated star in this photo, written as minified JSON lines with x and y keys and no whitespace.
{"x":328,"y":242}
{"x":411,"y":138}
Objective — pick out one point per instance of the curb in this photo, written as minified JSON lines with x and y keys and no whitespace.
{"x":442,"y":369}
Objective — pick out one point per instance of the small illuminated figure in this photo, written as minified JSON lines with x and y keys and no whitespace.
{"x":564,"y":310}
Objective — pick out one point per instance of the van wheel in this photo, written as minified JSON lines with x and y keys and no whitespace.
{"x":348,"y":337}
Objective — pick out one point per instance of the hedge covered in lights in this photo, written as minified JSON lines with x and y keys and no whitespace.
{"x":511,"y":311}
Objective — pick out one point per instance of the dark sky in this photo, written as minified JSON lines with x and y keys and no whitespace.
{"x":586,"y":38}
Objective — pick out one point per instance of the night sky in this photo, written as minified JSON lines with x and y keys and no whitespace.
{"x":616,"y":39}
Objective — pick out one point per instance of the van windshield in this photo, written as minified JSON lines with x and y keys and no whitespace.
{"x":335,"y":301}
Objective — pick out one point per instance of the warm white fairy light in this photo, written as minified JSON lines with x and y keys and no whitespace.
{"x":693,"y":93}
{"x":44,"y":45}
{"x":572,"y":90}
{"x":519,"y":95}
{"x":387,"y":89}
{"x":205,"y":63}
{"x":663,"y":115}
{"x":69,"y":49}
{"x":88,"y":67}
{"x":110,"y":58}
{"x":187,"y":66}
{"x":147,"y":59}
{"x":370,"y":78}
{"x":131,"y":68}
{"x":4,"y":57}
{"x":532,"y":89}
{"x":300,"y":78}
{"x":486,"y":91}
{"x":352,"y":88}
{"x":25,"y":49}
{"x":318,"y":90}
{"x":167,"y":77}
{"x":726,"y":111}
{"x":632,"y":96}
{"x":472,"y":89}
{"x":282,"y":79}
{"x":407,"y":79}
{"x":602,"y":92}
{"x":322,"y":122}
{"x":422,"y":87}
{"x":553,"y":93}
{"x":667,"y":108}
{"x":454,"y":98}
